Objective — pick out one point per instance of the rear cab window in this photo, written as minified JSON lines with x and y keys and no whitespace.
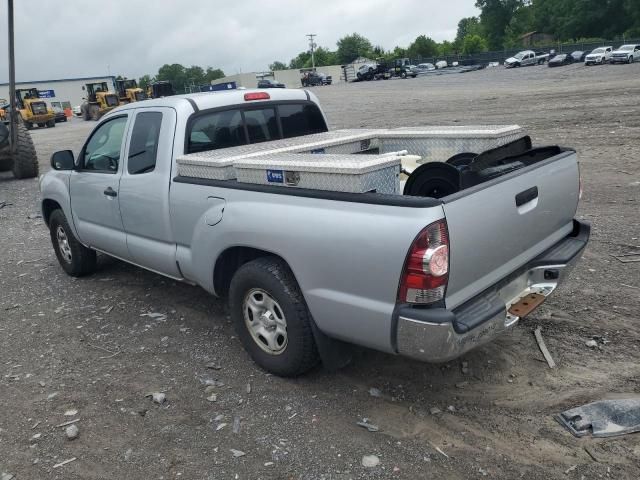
{"x":240,"y":125}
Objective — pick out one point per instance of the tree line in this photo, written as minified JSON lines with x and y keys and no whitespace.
{"x":500,"y":25}
{"x":182,"y":77}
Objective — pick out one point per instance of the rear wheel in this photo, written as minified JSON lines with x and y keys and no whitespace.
{"x":271,"y":317}
{"x":28,"y":125}
{"x":75,"y":259}
{"x":94,"y":111}
{"x":25,"y":162}
{"x":51,"y":123}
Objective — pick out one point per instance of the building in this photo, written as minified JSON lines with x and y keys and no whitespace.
{"x":63,"y":93}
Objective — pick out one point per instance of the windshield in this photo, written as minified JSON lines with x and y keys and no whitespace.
{"x":598,"y":50}
{"x":560,"y":57}
{"x":520,"y":55}
{"x":626,"y":48}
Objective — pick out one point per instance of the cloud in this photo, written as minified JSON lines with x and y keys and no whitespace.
{"x":76,"y":38}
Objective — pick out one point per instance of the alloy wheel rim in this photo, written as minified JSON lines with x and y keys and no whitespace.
{"x":63,"y":244}
{"x":265,"y":321}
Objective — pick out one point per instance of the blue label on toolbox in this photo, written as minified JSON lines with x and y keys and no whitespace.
{"x":318,"y":150}
{"x":275,"y":176}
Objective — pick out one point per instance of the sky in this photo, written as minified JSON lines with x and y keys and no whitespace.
{"x":80,"y":38}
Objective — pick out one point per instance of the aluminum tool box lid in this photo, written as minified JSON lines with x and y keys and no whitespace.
{"x":327,"y":163}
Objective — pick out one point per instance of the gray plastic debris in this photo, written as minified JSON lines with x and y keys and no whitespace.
{"x":370,"y":461}
{"x":72,"y":432}
{"x":369,"y":426}
{"x":237,"y":453}
{"x":605,"y":418}
{"x":6,"y":476}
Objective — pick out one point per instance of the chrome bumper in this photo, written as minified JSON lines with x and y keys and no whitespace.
{"x":444,"y":338}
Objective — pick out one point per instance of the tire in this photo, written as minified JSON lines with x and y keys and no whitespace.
{"x":42,"y":125}
{"x":283,"y":343}
{"x":25,"y":163}
{"x":403,"y":75}
{"x":74,"y":258}
{"x":630,"y":60}
{"x":84,"y":110}
{"x":51,"y":123}
{"x":94,"y":112}
{"x":28,"y":125}
{"x":6,"y":162}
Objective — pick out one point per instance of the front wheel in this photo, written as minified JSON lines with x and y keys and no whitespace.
{"x":74,"y":258}
{"x":271,"y":317}
{"x":630,"y":59}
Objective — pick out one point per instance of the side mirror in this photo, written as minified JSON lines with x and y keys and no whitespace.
{"x":62,"y":160}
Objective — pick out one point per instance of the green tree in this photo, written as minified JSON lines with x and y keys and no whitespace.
{"x":213,"y":74}
{"x":495,"y":16}
{"x":277,"y":66}
{"x":175,"y":74}
{"x":422,"y":47}
{"x":301,"y":60}
{"x":473,"y":44}
{"x":352,"y":47}
{"x":468,"y":26}
{"x":194,"y":75}
{"x":447,"y":48}
{"x":144,"y":81}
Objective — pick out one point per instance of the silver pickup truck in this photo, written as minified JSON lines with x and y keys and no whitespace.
{"x":309,"y":271}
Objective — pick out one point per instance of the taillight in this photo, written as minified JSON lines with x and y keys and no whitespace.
{"x":426,"y":270}
{"x":256,"y":96}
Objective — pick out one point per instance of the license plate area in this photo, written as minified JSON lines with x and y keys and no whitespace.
{"x":526,"y":304}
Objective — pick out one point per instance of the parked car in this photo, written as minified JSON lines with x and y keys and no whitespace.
{"x":625,"y":54}
{"x":424,"y":67}
{"x":268,"y":83}
{"x":579,"y":55}
{"x":526,"y":58}
{"x":367,"y":71}
{"x":561,"y":59}
{"x":60,"y":116}
{"x":437,"y":278}
{"x":310,"y":79}
{"x":77,"y":111}
{"x":441,"y":64}
{"x":598,"y":56}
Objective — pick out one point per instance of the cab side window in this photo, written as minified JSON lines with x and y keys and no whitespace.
{"x":143,"y":148}
{"x":102,"y":152}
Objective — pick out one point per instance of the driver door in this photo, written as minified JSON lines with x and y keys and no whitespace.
{"x":95,"y":185}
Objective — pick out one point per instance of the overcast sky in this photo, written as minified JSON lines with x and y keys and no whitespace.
{"x":80,"y":38}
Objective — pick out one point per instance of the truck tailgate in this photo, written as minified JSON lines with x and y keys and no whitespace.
{"x":498,"y":226}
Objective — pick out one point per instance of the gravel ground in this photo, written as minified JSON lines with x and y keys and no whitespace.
{"x":100,"y":344}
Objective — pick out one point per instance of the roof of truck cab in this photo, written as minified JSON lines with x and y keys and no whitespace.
{"x":208,"y":100}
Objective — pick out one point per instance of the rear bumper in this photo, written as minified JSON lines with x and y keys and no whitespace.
{"x":439,"y":335}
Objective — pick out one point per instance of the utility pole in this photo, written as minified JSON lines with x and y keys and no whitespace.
{"x":13,"y":118}
{"x":312,"y":46}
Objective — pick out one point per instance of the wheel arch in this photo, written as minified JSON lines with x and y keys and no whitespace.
{"x":48,"y":206}
{"x":232,"y":258}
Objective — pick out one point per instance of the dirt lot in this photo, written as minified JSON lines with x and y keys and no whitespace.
{"x":96,"y":345}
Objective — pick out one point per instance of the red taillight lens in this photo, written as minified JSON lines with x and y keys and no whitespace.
{"x":256,"y":96}
{"x":426,"y":269}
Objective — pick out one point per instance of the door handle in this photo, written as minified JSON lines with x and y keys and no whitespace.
{"x":110,"y":192}
{"x":526,"y":196}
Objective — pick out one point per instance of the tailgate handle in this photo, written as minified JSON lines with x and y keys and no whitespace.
{"x":526,"y":196}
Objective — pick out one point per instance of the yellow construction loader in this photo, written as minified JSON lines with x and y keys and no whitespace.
{"x":129,"y":92}
{"x":99,"y":100}
{"x":33,"y":109}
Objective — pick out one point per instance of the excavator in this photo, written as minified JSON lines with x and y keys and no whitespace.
{"x":33,"y":110}
{"x":99,"y":100}
{"x":17,"y":152}
{"x":129,"y":92}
